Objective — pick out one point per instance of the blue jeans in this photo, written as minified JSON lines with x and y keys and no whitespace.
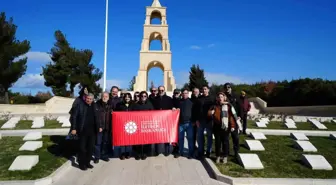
{"x":186,"y":127}
{"x":102,"y":145}
{"x":200,"y":138}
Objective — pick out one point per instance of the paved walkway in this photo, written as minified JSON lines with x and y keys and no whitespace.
{"x":152,"y":171}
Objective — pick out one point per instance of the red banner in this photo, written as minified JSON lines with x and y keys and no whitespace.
{"x":145,"y":127}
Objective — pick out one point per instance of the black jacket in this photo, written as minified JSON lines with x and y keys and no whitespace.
{"x":121,"y":106}
{"x":79,"y":116}
{"x":113,"y":101}
{"x":235,"y":102}
{"x":104,"y":113}
{"x":151,"y":98}
{"x":176,"y":102}
{"x":203,"y":104}
{"x":186,"y":110}
{"x":143,"y":106}
{"x":163,"y":103}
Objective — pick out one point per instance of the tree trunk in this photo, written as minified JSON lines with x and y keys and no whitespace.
{"x":6,"y":98}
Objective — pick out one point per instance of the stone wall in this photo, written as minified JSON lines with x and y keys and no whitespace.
{"x":320,"y":111}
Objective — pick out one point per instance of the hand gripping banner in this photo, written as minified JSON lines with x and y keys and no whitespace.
{"x":145,"y":127}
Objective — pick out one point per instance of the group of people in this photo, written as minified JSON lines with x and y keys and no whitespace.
{"x":220,"y":116}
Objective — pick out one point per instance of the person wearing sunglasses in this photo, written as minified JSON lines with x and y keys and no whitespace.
{"x":144,"y":104}
{"x":153,"y":94}
{"x":136,"y":97}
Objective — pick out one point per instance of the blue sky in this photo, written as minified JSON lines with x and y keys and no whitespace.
{"x":232,"y":40}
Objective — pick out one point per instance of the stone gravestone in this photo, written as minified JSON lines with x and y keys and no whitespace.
{"x":316,"y":162}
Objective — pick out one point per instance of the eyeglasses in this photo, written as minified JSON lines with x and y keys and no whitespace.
{"x":161,"y":90}
{"x":144,"y":96}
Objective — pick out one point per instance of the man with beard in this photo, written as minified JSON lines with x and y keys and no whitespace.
{"x":163,"y":102}
{"x":86,"y":126}
{"x":153,"y":94}
{"x":114,"y":99}
{"x":104,"y":112}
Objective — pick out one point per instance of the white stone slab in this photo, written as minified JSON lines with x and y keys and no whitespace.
{"x":24,"y":162}
{"x":316,"y":162}
{"x":66,"y":123}
{"x":317,"y":124}
{"x":62,"y":119}
{"x":332,"y":136}
{"x":250,"y":161}
{"x":290,"y":125}
{"x":265,"y":119}
{"x":299,"y":136}
{"x":31,"y":146}
{"x":305,"y":146}
{"x":11,"y":123}
{"x":38,"y":122}
{"x":289,"y":120}
{"x":0,"y":136}
{"x":32,"y":136}
{"x":334,"y":120}
{"x":258,"y":135}
{"x":261,"y":124}
{"x":254,"y":145}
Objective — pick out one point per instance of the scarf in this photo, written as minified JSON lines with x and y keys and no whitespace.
{"x":225,"y":116}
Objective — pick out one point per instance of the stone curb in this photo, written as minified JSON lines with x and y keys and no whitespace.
{"x":43,"y":181}
{"x":45,"y":132}
{"x":279,"y":132}
{"x":264,"y":181}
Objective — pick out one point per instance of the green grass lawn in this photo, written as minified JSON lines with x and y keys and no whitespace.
{"x":282,"y":160}
{"x":49,"y":158}
{"x":26,"y":124}
{"x":299,"y":125}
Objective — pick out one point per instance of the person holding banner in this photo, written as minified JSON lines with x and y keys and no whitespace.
{"x":136,"y":97}
{"x":226,"y":122}
{"x":125,"y":105}
{"x":163,"y":102}
{"x":144,"y":104}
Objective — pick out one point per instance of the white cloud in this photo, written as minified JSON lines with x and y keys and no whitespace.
{"x":195,"y":47}
{"x":30,"y":81}
{"x":211,"y":45}
{"x":212,"y":78}
{"x":36,"y":56}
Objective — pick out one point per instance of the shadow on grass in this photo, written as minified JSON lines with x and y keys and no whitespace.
{"x":64,"y":148}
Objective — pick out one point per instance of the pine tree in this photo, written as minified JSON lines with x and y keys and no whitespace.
{"x":56,"y":73}
{"x":196,"y":77}
{"x":70,"y":67}
{"x":86,"y":74}
{"x":131,"y":84}
{"x":11,"y":68}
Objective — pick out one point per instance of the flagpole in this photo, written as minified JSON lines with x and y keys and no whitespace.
{"x":105,"y":48}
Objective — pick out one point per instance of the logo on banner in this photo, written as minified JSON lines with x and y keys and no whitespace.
{"x":131,"y":127}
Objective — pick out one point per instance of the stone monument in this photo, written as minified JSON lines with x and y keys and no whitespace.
{"x":155,"y":58}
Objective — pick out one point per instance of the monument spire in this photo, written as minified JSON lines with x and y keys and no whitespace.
{"x":156,"y":3}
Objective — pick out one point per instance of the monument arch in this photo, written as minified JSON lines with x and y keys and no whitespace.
{"x":155,"y":58}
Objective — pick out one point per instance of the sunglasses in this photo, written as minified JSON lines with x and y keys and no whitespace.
{"x":161,"y":90}
{"x":144,"y":96}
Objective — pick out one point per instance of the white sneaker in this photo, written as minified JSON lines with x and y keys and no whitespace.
{"x":217,"y":160}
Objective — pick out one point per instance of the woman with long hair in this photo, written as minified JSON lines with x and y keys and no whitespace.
{"x":225,"y":122}
{"x":125,"y":105}
{"x":144,"y":104}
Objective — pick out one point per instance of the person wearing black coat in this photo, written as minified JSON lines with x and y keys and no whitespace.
{"x":103,"y":140}
{"x":125,"y":105}
{"x":143,"y":105}
{"x":163,"y":102}
{"x":86,"y":125}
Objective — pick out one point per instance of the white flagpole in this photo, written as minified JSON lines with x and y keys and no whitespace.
{"x":105,"y":49}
